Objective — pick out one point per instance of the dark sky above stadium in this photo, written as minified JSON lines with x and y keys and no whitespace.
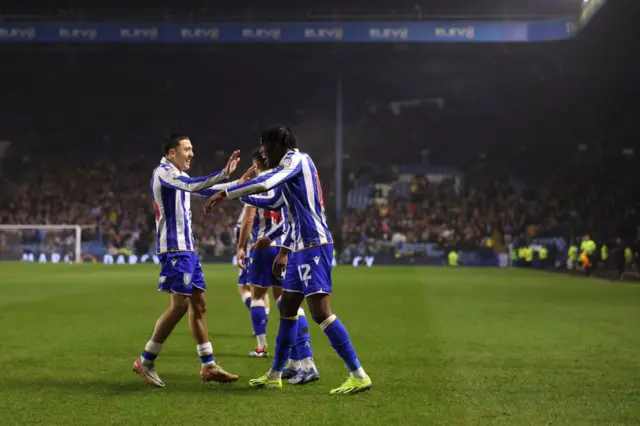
{"x":581,"y":89}
{"x":291,"y":8}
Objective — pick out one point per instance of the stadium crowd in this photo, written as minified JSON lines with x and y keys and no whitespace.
{"x":481,"y":211}
{"x":491,"y":211}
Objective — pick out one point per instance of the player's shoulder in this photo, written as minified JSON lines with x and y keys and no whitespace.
{"x":166,"y":168}
{"x":292,"y":157}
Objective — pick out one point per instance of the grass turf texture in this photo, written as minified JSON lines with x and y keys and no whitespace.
{"x":443,"y":346}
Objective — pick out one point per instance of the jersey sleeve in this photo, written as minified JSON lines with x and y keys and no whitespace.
{"x":273,"y":200}
{"x":277,"y":231}
{"x":208,"y":192}
{"x":288,"y":168}
{"x":170,"y":177}
{"x":287,"y":240}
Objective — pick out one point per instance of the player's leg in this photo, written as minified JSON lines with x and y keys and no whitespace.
{"x":267,"y":303}
{"x":259,"y":320}
{"x":294,"y":365}
{"x":316,"y":272}
{"x":287,"y":332}
{"x":178,"y":306}
{"x":276,"y":289}
{"x":259,"y":288}
{"x":244,"y":289}
{"x":210,"y":370}
{"x":302,"y":354}
{"x":145,"y":364}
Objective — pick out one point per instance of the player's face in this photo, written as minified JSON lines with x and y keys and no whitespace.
{"x":183,"y":155}
{"x":271,"y":155}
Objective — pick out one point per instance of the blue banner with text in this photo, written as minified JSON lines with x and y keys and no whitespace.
{"x":295,"y":32}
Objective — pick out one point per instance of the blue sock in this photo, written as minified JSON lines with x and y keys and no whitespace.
{"x":340,"y":341}
{"x":303,"y":340}
{"x":259,"y":317}
{"x":294,"y":354}
{"x":149,"y":355}
{"x":285,"y":340}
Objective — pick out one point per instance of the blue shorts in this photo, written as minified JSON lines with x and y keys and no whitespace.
{"x":260,"y":267}
{"x":309,"y":270}
{"x":180,"y":273}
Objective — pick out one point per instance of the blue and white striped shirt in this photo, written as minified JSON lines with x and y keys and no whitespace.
{"x":300,"y":193}
{"x":268,"y":222}
{"x":171,"y":190}
{"x":265,"y":218}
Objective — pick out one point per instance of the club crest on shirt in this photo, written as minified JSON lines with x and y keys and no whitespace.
{"x":187,"y":279}
{"x":286,"y":162}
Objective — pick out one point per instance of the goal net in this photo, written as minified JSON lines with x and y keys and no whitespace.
{"x":41,"y":243}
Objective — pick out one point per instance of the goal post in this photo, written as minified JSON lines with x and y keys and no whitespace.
{"x":76,"y":228}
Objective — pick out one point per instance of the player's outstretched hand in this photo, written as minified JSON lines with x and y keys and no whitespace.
{"x":280,"y":264}
{"x":212,"y":201}
{"x":263,"y":243}
{"x":232,"y":163}
{"x":248,"y":174}
{"x":240,"y":256}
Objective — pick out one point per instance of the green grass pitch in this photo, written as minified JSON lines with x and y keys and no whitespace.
{"x":443,"y":346}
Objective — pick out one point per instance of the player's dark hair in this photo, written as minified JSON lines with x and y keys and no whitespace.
{"x":279,"y":135}
{"x":259,"y":159}
{"x":172,"y":142}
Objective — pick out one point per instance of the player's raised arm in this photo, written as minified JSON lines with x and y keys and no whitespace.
{"x":288,"y":168}
{"x":208,"y":192}
{"x":172,"y":178}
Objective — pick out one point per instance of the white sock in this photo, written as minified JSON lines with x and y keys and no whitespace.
{"x":294,"y":364}
{"x":274,"y":375}
{"x":152,"y":348}
{"x":359,"y":374}
{"x":246,"y":295}
{"x":262,"y":340}
{"x":205,"y":349}
{"x":308,"y":364}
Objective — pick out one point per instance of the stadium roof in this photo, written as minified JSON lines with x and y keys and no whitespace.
{"x":199,"y":10}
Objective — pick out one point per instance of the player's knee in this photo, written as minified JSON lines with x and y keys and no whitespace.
{"x":288,"y":310}
{"x":258,"y":293}
{"x":179,"y":305}
{"x":198,"y":304}
{"x":319,"y":317}
{"x":199,"y":308}
{"x":182,"y":308}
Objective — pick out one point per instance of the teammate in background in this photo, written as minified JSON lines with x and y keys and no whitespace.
{"x":267,"y":229}
{"x":244,"y":289}
{"x":181,"y":273}
{"x":308,"y":272}
{"x":254,"y":224}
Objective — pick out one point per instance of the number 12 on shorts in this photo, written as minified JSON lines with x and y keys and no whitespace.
{"x":304,"y":271}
